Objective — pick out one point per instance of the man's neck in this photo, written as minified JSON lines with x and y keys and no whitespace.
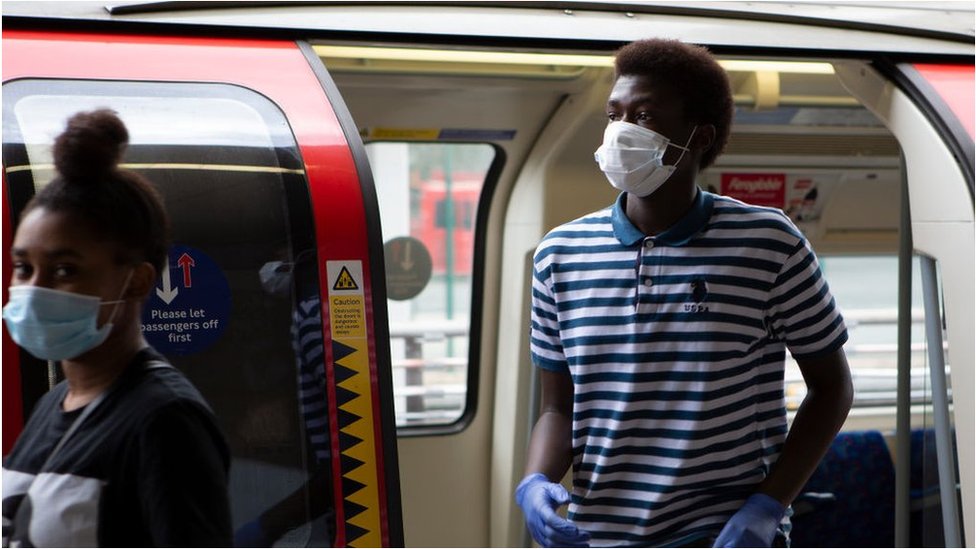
{"x":654,"y":214}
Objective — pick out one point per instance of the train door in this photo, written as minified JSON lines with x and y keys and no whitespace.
{"x":929,"y":108}
{"x":273,"y":300}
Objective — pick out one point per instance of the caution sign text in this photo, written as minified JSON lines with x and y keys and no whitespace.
{"x":348,"y":316}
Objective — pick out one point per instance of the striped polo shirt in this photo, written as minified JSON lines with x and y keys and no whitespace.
{"x":306,"y":331}
{"x":676,"y":347}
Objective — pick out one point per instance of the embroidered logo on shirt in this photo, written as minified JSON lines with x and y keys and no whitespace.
{"x":699,"y":291}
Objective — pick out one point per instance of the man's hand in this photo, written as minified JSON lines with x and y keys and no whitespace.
{"x":754,"y":525}
{"x":539,"y":500}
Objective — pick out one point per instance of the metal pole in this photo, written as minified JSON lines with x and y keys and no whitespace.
{"x":535,"y":396}
{"x":52,"y":374}
{"x":449,"y":240}
{"x":940,"y":404}
{"x":903,"y":414}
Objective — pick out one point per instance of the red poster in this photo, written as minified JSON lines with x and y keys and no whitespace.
{"x":760,"y":189}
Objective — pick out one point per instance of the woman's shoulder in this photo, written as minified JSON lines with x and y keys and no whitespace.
{"x":155,"y":384}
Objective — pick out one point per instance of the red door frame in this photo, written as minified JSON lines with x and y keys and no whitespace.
{"x":955,"y":84}
{"x":278,"y":70}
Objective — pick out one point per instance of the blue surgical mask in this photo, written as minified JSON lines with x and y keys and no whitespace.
{"x":56,"y":325}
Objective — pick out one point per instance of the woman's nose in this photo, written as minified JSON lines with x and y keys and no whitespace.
{"x":38,"y":279}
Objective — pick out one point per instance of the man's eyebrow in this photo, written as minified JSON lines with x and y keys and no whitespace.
{"x":639,"y":100}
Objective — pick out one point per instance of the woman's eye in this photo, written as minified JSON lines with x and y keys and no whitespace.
{"x":643,"y":116}
{"x":64,"y":271}
{"x":612,"y":116}
{"x":22,"y":270}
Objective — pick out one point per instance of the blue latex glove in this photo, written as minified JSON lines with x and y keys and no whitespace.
{"x":753,"y":525}
{"x":539,"y":500}
{"x":252,"y":535}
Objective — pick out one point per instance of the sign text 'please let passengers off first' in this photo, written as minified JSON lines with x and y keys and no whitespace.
{"x":189,"y":309}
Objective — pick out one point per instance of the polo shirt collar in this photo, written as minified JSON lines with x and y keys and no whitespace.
{"x":677,"y":234}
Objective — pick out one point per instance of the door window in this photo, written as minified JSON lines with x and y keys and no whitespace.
{"x":243,"y":257}
{"x":429,"y":197}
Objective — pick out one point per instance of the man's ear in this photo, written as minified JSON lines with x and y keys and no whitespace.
{"x":704,"y":138}
{"x":143,"y":281}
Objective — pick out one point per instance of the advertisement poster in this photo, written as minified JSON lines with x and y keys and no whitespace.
{"x":806,"y":196}
{"x":759,"y":189}
{"x":801,"y":196}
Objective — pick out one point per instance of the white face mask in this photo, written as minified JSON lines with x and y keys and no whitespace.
{"x":276,"y":277}
{"x":632,"y":157}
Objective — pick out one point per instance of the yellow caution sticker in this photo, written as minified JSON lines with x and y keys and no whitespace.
{"x":361,"y":511}
{"x":403,"y":134}
{"x":437,"y":134}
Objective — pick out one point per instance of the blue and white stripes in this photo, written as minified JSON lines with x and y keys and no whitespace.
{"x":676,"y":346}
{"x":306,"y":334}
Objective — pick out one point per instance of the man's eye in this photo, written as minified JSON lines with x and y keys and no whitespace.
{"x":643,"y":116}
{"x":612,"y":115}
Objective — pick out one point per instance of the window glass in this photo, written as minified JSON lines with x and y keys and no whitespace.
{"x":866,"y":290}
{"x":243,"y":260}
{"x":428,"y":196}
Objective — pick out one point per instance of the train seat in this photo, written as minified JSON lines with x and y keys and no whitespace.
{"x":926,"y":506}
{"x":859,"y":473}
{"x":849,"y":500}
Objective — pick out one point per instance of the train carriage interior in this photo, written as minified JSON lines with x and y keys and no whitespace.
{"x":800,"y":141}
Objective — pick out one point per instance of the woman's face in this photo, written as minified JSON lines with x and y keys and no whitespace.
{"x":56,"y":250}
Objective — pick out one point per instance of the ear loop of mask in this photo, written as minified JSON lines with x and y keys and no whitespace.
{"x":685,"y":148}
{"x":116,"y":302}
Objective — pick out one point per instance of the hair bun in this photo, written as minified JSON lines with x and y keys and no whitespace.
{"x":91,"y":146}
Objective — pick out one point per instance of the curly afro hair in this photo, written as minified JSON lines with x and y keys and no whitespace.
{"x":694,"y":74}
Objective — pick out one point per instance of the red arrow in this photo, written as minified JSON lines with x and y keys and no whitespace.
{"x":186,"y":262}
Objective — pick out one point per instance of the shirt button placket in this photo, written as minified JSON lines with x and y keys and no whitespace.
{"x":649,"y":245}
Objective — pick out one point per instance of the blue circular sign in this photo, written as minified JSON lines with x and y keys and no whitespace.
{"x":189,"y":307}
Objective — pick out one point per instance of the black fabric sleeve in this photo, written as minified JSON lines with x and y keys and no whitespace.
{"x":183,"y":481}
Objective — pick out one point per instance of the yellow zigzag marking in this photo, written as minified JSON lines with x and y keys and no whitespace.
{"x":364,"y":451}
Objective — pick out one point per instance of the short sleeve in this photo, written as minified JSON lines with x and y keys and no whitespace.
{"x":801,"y":310}
{"x":183,"y":478}
{"x":544,"y":340}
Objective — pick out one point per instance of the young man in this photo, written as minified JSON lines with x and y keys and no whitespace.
{"x":660,"y":326}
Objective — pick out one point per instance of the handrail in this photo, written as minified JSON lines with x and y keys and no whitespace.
{"x":429,"y":328}
{"x":903,"y":365}
{"x":940,"y":405}
{"x":857,"y":317}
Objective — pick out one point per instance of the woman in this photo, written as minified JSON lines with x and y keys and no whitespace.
{"x":124,"y":452}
